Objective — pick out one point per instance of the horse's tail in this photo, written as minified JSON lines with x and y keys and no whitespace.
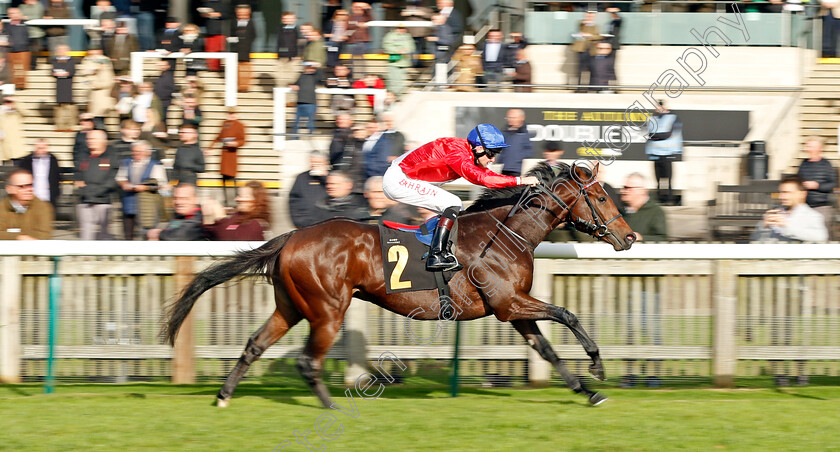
{"x":263,"y":260}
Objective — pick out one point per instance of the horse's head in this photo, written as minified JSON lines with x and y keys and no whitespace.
{"x":591,"y":210}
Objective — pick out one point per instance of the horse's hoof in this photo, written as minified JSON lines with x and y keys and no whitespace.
{"x":597,"y":372}
{"x":597,"y":399}
{"x":222,"y":403}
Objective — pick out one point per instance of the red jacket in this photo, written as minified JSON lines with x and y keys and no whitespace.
{"x":447,"y":159}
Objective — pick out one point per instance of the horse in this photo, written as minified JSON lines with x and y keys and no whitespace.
{"x":317,"y":270}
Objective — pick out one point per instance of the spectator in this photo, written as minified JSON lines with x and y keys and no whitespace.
{"x":416,"y":12}
{"x":250,"y":221}
{"x":552,"y":153}
{"x":123,"y":94}
{"x":342,"y":133}
{"x":494,"y":59}
{"x":232,"y":137}
{"x":341,"y":103}
{"x":328,"y":11}
{"x":830,"y":12}
{"x":144,"y":11}
{"x":103,"y":36}
{"x":376,"y":150}
{"x":314,"y":51}
{"x":169,"y":38}
{"x":22,"y":215}
{"x":303,"y":37}
{"x":80,"y":147}
{"x":350,"y":158}
{"x":453,"y":19}
{"x":341,"y":201}
{"x":308,"y":189}
{"x":45,"y":172}
{"x":18,"y":48}
{"x":193,"y":88}
{"x":396,"y":139}
{"x":370,"y":81}
{"x":358,"y":42}
{"x":582,"y":45}
{"x":155,"y":132}
{"x":189,"y":160}
{"x":95,"y":183}
{"x":5,"y":70}
{"x":306,"y":100}
{"x":287,"y":50}
{"x":442,"y":39}
{"x":129,"y":134}
{"x":517,"y":136}
{"x":380,"y":208}
{"x":400,"y":45}
{"x":602,"y":66}
{"x":100,"y":81}
{"x":144,"y":102}
{"x":469,"y":66}
{"x":643,"y":214}
{"x":119,"y":49}
{"x":614,"y":28}
{"x":57,"y":34}
{"x":258,"y":18}
{"x":103,"y":10}
{"x":794,"y":221}
{"x":165,"y":88}
{"x":243,"y":34}
{"x":820,"y":179}
{"x":191,"y":41}
{"x":521,"y":72}
{"x":11,"y":130}
{"x":664,"y":147}
{"x":517,"y":42}
{"x":216,"y":13}
{"x":336,"y":34}
{"x":64,"y":69}
{"x":187,"y":224}
{"x":191,"y":111}
{"x":141,"y":178}
{"x":31,"y":10}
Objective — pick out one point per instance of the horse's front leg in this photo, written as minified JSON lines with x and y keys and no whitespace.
{"x":526,"y":307}
{"x":529,"y":330}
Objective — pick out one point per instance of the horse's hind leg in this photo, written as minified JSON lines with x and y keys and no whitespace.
{"x":529,"y":330}
{"x":272,"y":330}
{"x":310,"y":362}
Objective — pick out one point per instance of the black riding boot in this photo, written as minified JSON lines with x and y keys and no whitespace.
{"x":440,"y":256}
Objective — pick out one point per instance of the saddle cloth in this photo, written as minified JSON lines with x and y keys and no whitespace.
{"x":404,"y":252}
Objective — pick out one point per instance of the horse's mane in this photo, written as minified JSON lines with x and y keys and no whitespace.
{"x":495,"y":197}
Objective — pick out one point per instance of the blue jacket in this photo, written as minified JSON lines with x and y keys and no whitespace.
{"x":129,"y":199}
{"x":376,"y":160}
{"x":520,"y":148}
{"x":665,"y":136}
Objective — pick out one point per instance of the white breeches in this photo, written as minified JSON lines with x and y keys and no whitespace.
{"x":399,"y":187}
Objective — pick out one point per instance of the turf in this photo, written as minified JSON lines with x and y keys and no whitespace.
{"x":166,"y":417}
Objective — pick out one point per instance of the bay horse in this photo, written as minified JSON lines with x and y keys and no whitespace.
{"x":316,"y":271}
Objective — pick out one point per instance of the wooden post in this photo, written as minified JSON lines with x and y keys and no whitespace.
{"x":183,"y":356}
{"x":10,"y":320}
{"x":724,"y":348}
{"x":355,"y":325}
{"x":539,"y":370}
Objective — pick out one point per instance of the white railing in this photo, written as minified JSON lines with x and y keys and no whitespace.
{"x":742,"y":304}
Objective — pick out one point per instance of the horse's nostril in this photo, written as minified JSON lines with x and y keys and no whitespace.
{"x":630,"y":238}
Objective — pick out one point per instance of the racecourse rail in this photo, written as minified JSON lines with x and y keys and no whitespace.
{"x":668,"y":310}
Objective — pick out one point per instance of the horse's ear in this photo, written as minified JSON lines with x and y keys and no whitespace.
{"x":580,"y":175}
{"x":595,"y":169}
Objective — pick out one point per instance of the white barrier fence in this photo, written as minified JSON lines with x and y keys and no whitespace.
{"x":668,"y":310}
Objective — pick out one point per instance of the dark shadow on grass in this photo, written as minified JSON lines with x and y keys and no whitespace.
{"x":17,"y":390}
{"x":796,"y":394}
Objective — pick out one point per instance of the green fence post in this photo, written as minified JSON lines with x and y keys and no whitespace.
{"x":454,"y":382}
{"x":55,"y":296}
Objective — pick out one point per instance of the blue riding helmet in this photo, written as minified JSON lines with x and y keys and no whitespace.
{"x":487,"y":136}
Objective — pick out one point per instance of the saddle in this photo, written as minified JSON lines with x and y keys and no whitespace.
{"x":404,"y":252}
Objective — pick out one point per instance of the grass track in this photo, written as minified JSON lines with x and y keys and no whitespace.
{"x":166,"y":417}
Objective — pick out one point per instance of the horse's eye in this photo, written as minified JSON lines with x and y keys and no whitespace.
{"x":602,"y":199}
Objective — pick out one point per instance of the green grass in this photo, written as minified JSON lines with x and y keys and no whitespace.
{"x":158,"y":417}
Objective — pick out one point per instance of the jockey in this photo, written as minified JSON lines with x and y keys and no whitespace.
{"x":415,"y":178}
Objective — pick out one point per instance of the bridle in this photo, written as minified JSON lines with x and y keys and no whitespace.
{"x":597,"y":227}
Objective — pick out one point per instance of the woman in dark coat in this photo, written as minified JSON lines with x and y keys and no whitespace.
{"x":64,"y":68}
